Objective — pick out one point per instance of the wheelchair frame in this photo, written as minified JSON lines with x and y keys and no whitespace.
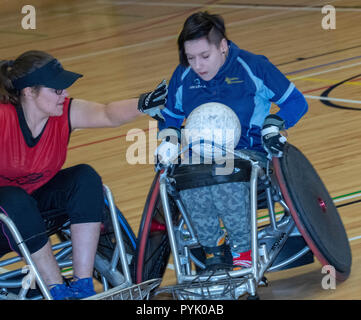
{"x":109,"y":274}
{"x":228,"y":284}
{"x":268,"y":244}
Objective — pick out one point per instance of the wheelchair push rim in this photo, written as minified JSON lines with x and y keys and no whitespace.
{"x":313,"y":211}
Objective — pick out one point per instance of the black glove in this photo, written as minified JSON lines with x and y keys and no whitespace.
{"x":152,"y":102}
{"x":273,"y":141}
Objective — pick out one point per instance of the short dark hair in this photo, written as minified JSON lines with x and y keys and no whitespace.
{"x":199,"y":25}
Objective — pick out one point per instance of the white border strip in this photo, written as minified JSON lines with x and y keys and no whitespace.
{"x":325,"y":71}
{"x":332,"y":99}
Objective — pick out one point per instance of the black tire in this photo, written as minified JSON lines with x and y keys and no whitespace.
{"x":313,"y":210}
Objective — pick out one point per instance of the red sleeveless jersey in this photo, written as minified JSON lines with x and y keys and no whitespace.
{"x":31,"y":167}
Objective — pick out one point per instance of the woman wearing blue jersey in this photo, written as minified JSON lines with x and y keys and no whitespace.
{"x":213,"y":69}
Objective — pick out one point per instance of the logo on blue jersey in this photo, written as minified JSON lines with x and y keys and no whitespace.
{"x":233,"y":80}
{"x":197,"y":84}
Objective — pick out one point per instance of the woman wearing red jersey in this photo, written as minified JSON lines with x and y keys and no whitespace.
{"x":36,"y":119}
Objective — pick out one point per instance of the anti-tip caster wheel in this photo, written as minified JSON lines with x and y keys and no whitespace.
{"x":263,"y":282}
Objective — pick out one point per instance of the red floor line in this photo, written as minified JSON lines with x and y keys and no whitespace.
{"x":312,"y":90}
{"x":99,"y":141}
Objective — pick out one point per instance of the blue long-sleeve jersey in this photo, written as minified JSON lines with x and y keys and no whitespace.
{"x":247,"y":83}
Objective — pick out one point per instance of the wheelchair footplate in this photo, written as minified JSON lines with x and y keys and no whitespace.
{"x":141,"y":291}
{"x":229,"y":288}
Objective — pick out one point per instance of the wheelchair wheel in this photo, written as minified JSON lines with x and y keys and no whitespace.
{"x":313,"y":210}
{"x":153,"y":245}
{"x":107,"y":242}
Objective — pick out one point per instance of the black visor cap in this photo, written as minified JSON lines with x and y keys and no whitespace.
{"x":51,"y":75}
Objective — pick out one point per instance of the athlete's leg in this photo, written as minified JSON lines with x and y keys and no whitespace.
{"x":204,"y":217}
{"x":232,"y":202}
{"x":203,"y":214}
{"x":23,"y":210}
{"x":79,"y":191}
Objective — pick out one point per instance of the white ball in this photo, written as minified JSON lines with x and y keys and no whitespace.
{"x":213,"y":122}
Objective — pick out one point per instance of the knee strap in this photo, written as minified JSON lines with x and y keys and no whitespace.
{"x":219,"y":250}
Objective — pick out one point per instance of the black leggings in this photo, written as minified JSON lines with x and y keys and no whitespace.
{"x":77,"y":190}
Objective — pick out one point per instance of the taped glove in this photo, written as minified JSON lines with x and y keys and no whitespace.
{"x":273,"y":142}
{"x":167,"y":151}
{"x":153,"y":102}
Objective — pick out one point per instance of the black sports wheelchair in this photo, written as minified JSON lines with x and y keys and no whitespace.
{"x":303,"y":223}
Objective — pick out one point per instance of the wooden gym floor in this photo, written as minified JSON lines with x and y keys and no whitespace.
{"x":125,"y":48}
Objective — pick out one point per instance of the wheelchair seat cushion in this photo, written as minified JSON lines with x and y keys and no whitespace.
{"x":201,"y":175}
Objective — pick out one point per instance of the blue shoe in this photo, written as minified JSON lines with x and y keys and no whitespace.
{"x":60,"y":292}
{"x":82,"y":288}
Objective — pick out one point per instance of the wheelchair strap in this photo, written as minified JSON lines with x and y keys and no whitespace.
{"x":201,"y":175}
